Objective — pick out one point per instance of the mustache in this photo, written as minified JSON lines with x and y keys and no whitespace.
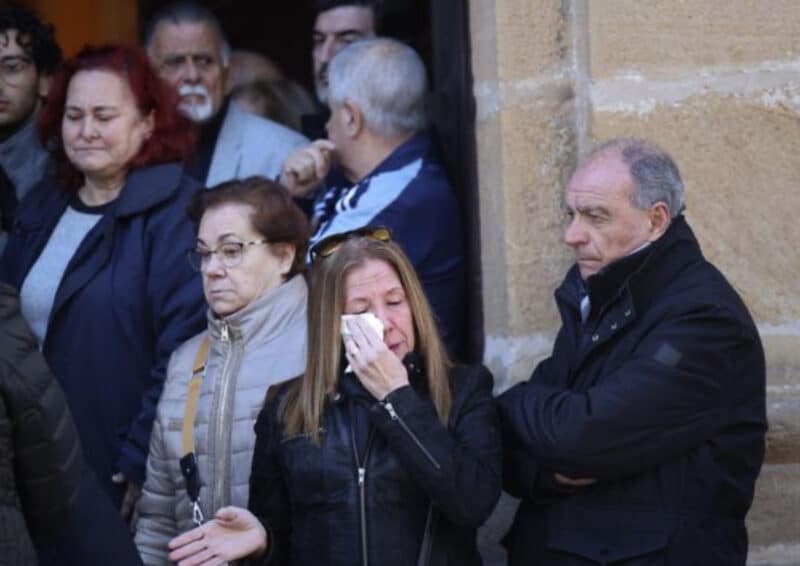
{"x":193,"y":90}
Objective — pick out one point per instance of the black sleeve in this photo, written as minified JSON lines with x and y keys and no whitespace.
{"x":458,"y":466}
{"x":269,"y":499}
{"x":676,"y":391}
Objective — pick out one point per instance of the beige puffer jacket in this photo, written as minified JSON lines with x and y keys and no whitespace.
{"x":263,"y":344}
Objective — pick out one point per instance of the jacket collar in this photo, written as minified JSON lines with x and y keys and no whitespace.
{"x":350,"y":386}
{"x":266,"y":318}
{"x":23,"y":158}
{"x":418,"y":145}
{"x":644,"y":270}
{"x":227,"y":149}
{"x":147,"y":187}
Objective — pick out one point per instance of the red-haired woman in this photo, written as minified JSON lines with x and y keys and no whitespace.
{"x":98,"y":254}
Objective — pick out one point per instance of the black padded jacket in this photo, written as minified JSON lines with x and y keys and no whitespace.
{"x":383,"y":476}
{"x":39,"y":449}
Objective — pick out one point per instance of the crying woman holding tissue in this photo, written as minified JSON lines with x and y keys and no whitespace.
{"x":383,"y":452}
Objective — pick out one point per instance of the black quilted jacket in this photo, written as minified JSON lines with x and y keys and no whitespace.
{"x":348,"y":502}
{"x":39,"y":449}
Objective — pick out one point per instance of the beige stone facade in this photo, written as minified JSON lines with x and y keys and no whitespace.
{"x":717,"y":83}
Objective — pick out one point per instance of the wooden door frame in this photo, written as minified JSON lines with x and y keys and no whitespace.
{"x":453,"y":116}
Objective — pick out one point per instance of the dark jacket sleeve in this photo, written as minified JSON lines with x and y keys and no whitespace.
{"x":458,"y":466}
{"x":10,"y":259}
{"x":7,"y":261}
{"x":269,"y":499}
{"x":681,"y":386}
{"x":47,"y":463}
{"x":177,"y":309}
{"x":523,"y":475}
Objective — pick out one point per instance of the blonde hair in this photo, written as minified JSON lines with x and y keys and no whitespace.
{"x":303,"y":406}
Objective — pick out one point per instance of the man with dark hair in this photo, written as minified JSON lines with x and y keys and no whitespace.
{"x":187,"y":47}
{"x":29,"y":55}
{"x":337,"y":23}
{"x":640,"y":439}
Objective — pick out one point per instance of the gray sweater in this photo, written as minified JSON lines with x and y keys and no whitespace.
{"x":41,"y":284}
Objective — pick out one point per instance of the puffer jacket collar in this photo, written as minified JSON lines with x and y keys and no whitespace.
{"x":265,"y":318}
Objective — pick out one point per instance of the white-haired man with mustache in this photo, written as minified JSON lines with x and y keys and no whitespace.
{"x":187,"y":47}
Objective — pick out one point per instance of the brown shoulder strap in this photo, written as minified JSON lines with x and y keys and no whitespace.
{"x":194,"y":394}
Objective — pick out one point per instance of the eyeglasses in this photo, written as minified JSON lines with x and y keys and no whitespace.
{"x":327,"y":246}
{"x":12,"y":68}
{"x":230,"y":254}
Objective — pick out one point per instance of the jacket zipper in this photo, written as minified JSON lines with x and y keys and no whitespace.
{"x":395,"y":417}
{"x":221,"y":447}
{"x":362,"y":496}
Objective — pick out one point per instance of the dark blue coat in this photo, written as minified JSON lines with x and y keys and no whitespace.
{"x":128,"y":298}
{"x":660,"y":396}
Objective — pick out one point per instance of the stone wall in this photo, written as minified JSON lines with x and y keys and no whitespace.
{"x":717,"y":83}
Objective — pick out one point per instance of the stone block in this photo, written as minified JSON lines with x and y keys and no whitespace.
{"x":483,"y":33}
{"x":783,"y":437}
{"x":492,"y":212}
{"x":739,"y":158}
{"x":513,"y":41}
{"x":662,"y":39}
{"x":775,"y":515}
{"x":523,"y":258}
{"x":525,"y":151}
{"x":783,"y":358}
{"x":531,"y":39}
{"x":523,"y":211}
{"x":775,"y":555}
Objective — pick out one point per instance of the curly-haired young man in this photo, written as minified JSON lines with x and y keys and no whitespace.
{"x":29,"y":55}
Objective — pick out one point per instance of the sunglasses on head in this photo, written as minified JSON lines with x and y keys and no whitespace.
{"x":329,"y":245}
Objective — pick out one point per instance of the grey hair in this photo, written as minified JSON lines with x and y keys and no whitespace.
{"x":183,"y":12}
{"x":386,"y":79}
{"x":655,"y":175}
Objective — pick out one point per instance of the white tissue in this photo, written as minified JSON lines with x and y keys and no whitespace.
{"x":372,"y":321}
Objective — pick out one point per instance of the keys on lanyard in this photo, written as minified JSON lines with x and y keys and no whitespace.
{"x":191,"y":474}
{"x":197,"y":514}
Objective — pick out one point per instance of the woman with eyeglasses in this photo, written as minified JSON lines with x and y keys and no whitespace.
{"x":96,"y":253}
{"x":250,"y":251}
{"x":383,"y":452}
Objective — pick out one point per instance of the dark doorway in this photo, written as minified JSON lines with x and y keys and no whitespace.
{"x":453,"y":117}
{"x":439,"y":31}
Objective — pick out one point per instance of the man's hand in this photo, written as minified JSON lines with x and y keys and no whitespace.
{"x":574,"y":482}
{"x":132,"y":494}
{"x":306,"y":168}
{"x":233,"y":533}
